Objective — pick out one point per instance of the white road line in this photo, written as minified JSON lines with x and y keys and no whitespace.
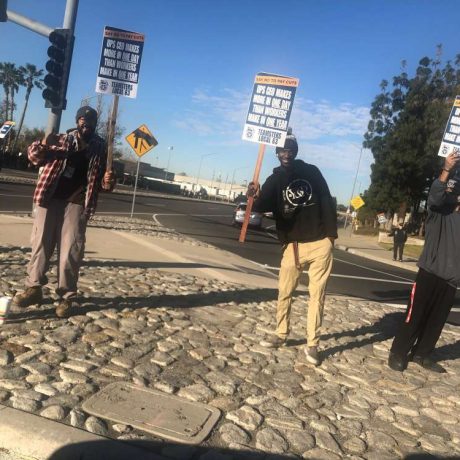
{"x":122,"y":213}
{"x":341,"y":276}
{"x":373,"y":270}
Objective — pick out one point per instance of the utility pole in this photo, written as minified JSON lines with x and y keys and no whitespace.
{"x":353,"y":190}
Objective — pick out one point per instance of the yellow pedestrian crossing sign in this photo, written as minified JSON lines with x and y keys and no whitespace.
{"x":357,"y":202}
{"x":141,"y":140}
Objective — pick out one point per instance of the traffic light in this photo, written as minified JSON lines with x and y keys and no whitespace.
{"x":58,"y":68}
{"x":3,"y":7}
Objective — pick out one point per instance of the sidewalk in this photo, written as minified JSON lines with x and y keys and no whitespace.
{"x":368,"y":247}
{"x":165,"y":312}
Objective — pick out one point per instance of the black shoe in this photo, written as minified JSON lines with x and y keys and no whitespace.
{"x":396,"y":362}
{"x":428,"y":364}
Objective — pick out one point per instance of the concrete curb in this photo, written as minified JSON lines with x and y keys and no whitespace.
{"x":39,"y":438}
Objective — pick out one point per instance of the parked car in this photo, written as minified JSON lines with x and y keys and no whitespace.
{"x":255,"y":219}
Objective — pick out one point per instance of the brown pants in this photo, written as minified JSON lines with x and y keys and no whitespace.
{"x":318,"y":256}
{"x":62,"y":225}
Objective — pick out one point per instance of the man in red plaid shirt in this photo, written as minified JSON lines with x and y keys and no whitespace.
{"x":73,"y":173}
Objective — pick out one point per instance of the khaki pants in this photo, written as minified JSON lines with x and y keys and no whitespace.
{"x":318,"y":256}
{"x":61,"y":225}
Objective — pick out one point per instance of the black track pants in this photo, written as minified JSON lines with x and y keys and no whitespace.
{"x":429,"y":305}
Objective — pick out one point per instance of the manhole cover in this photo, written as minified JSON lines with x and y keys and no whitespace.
{"x":158,"y":413}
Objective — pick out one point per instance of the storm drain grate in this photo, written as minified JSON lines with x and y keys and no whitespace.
{"x":163,"y":415}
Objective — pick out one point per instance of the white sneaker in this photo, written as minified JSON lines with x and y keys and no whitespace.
{"x":312,"y":355}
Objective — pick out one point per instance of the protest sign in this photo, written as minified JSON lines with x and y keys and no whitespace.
{"x":270,"y":109}
{"x":120,"y":62}
{"x":451,"y":138}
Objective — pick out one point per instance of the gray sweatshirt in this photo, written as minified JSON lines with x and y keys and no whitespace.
{"x":441,"y":254}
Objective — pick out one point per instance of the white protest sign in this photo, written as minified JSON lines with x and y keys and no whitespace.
{"x":270,"y":109}
{"x":120,"y":62}
{"x":451,"y":138}
{"x":381,"y":218}
{"x":5,"y":129}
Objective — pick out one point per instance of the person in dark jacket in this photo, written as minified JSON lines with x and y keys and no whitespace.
{"x":306,"y":222}
{"x":433,"y":292}
{"x":399,"y":240}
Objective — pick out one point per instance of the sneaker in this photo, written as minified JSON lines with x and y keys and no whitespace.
{"x":63,"y":308}
{"x":428,"y":364}
{"x":31,"y":296}
{"x":312,"y":355}
{"x":396,"y":362}
{"x":275,"y":342}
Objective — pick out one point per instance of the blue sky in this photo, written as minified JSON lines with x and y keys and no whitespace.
{"x":199,"y":62}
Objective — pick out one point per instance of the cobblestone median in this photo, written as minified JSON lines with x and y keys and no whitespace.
{"x":204,"y":341}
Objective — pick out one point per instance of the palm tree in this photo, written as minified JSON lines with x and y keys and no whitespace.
{"x":10,"y":79}
{"x":31,"y":76}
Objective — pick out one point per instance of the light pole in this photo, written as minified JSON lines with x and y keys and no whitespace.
{"x":233,"y":179}
{"x":199,"y":167}
{"x":353,"y":190}
{"x":170,"y":148}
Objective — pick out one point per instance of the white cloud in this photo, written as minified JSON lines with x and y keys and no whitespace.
{"x":312,"y":120}
{"x":337,"y":155}
{"x":223,"y":113}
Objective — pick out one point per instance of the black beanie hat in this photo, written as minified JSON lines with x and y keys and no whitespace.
{"x":88,"y":112}
{"x":289,"y":144}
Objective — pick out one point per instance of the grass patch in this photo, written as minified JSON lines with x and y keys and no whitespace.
{"x":410,"y":250}
{"x":368,"y":231}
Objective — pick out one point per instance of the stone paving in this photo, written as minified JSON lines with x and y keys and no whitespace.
{"x":205,"y":340}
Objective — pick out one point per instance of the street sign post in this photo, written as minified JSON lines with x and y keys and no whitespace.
{"x":267,"y":121}
{"x":357,"y":202}
{"x":141,"y":140}
{"x":451,"y":139}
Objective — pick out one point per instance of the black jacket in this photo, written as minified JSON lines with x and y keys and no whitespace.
{"x":441,"y":252}
{"x":301,"y":203}
{"x":399,"y":235}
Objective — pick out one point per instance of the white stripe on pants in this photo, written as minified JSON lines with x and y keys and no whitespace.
{"x":318,"y":256}
{"x":62,"y":225}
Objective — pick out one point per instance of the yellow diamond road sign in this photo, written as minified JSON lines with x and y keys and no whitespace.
{"x":141,"y":140}
{"x":357,"y":202}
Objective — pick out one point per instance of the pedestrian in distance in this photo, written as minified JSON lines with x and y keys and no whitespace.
{"x":399,"y":240}
{"x":433,"y":292}
{"x":73,"y":172}
{"x":306,"y":222}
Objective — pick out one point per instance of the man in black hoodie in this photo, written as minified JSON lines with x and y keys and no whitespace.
{"x":435,"y":286}
{"x":306,"y":221}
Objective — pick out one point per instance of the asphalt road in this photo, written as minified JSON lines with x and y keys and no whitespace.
{"x":211,"y":222}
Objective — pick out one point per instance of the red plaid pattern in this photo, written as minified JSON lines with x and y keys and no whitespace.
{"x":52,"y":159}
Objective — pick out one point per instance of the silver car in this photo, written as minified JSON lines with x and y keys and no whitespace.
{"x":255,"y":219}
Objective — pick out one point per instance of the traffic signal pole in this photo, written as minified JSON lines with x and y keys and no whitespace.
{"x":70,"y":16}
